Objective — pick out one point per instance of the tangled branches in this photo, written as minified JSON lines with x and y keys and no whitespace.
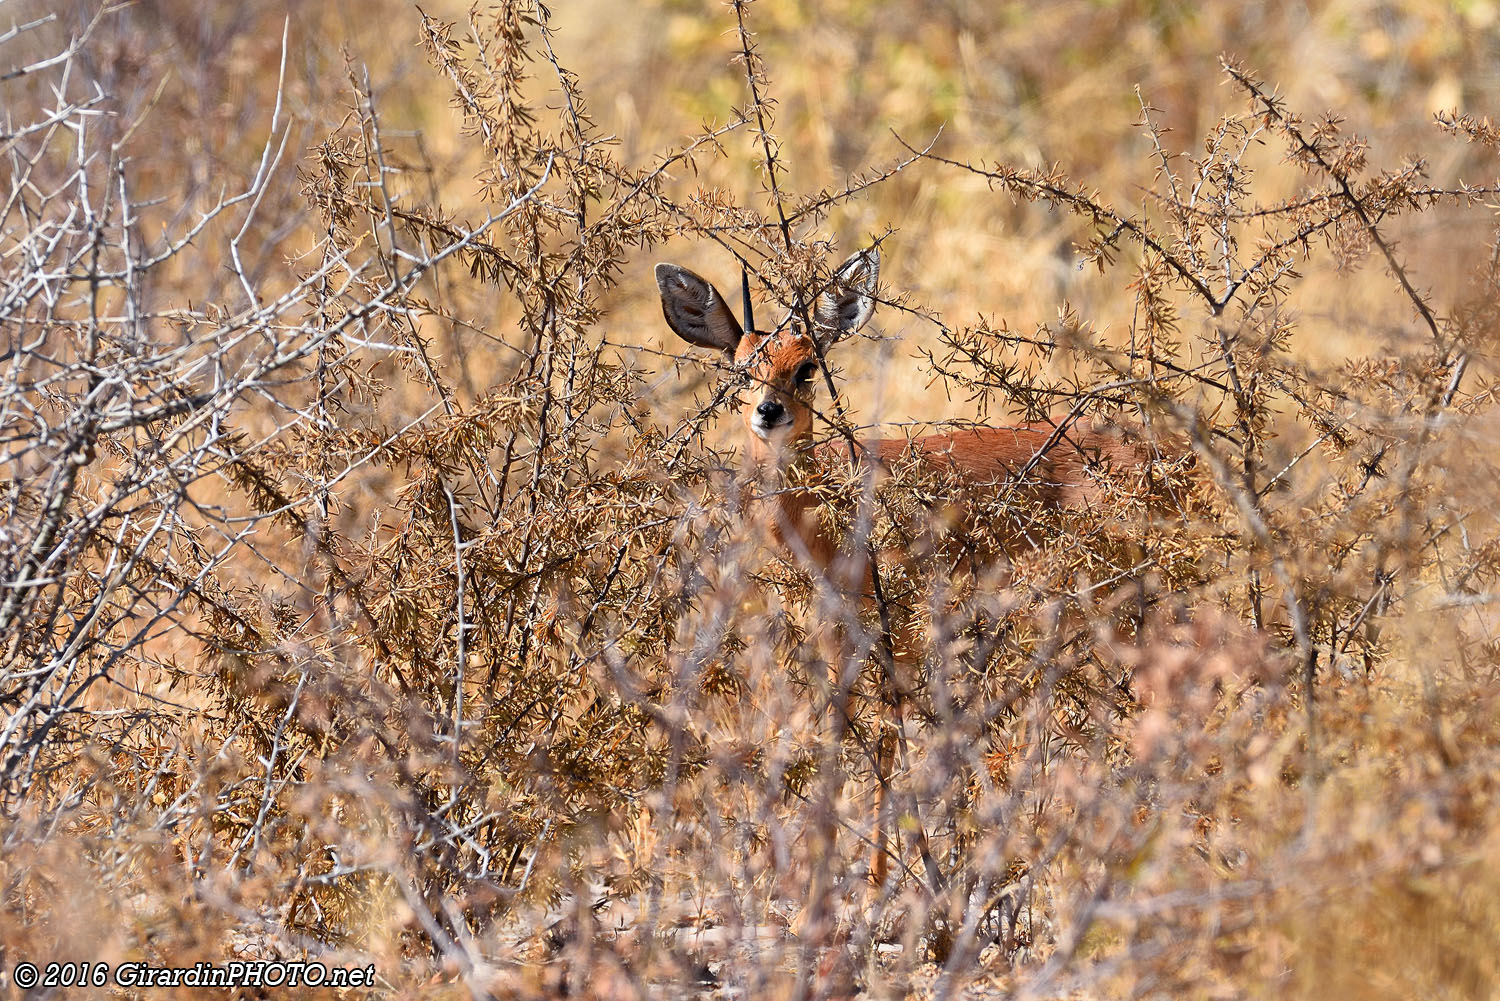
{"x":383,"y":584}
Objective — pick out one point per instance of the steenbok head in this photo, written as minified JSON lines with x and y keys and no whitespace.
{"x":781,"y":364}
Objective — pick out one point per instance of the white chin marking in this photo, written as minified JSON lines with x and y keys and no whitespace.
{"x":771,"y":433}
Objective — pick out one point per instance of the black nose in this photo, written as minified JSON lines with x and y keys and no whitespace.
{"x":769,"y":411}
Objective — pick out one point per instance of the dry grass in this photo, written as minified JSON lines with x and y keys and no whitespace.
{"x":377,"y":588}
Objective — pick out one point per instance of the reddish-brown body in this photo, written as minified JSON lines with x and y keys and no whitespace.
{"x":1059,"y":468}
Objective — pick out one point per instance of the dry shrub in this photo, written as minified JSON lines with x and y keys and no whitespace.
{"x":351,"y":617}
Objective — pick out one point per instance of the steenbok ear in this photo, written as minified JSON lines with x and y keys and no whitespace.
{"x":848,"y":302}
{"x":695,"y":310}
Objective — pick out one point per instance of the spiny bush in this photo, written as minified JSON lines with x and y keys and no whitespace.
{"x":349,"y":615}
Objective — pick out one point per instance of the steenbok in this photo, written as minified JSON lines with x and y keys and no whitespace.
{"x":1043,"y":465}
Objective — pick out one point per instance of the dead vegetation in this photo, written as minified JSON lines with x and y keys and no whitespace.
{"x":377,"y":590}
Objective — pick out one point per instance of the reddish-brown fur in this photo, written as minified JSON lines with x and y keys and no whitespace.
{"x":1056,"y":467}
{"x":1061,"y":465}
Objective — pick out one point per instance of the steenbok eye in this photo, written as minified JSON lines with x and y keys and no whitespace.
{"x":806,"y":372}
